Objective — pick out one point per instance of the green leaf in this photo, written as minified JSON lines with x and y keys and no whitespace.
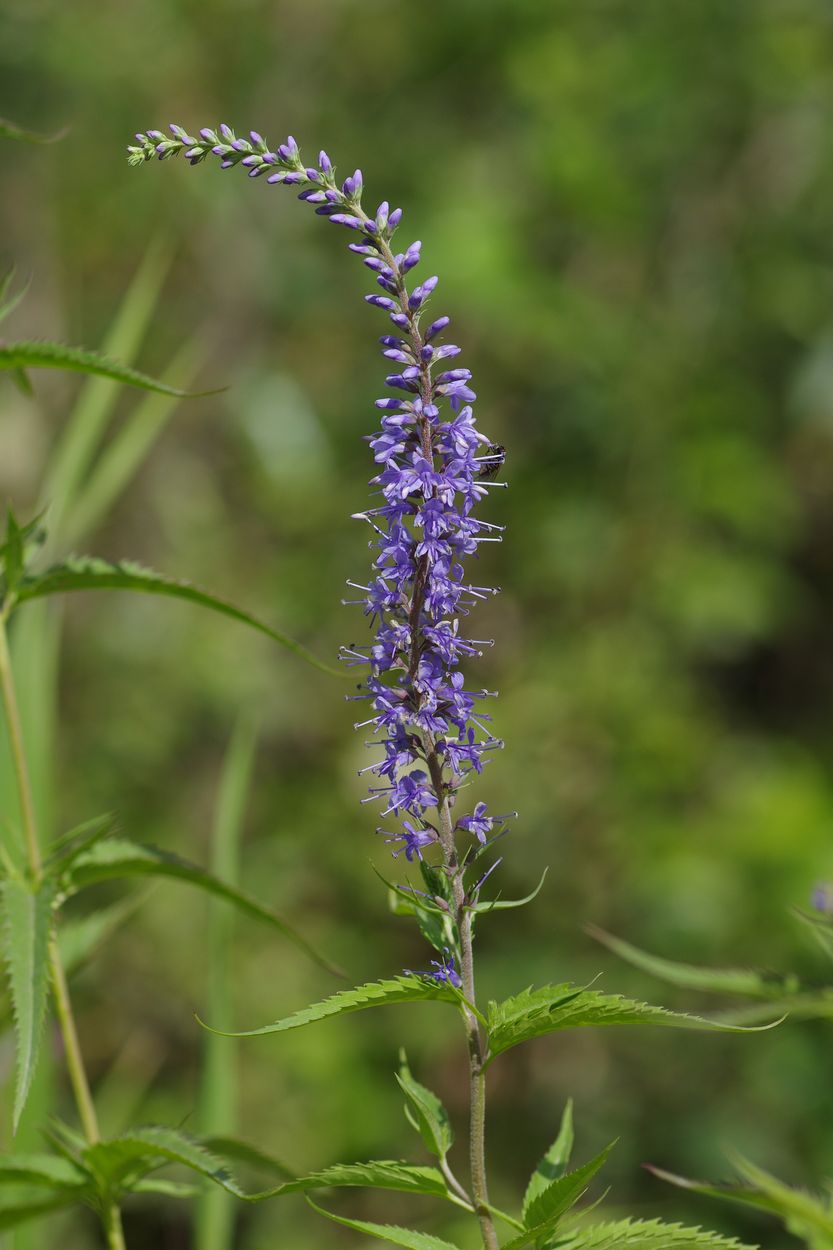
{"x":403,"y":989}
{"x":10,"y":130}
{"x":547,"y":1208}
{"x":29,"y":1204}
{"x":425,"y":1112}
{"x":804,"y":1214}
{"x":89,"y":573}
{"x":51,"y":1171}
{"x":647,"y":1235}
{"x":555,"y":1161}
{"x":378,"y":1174}
{"x":27,"y":921}
{"x":509,"y":904}
{"x":70,"y":845}
{"x":407,"y":1237}
{"x":243,"y":1152}
{"x":120,"y":1162}
{"x":744,"y":981}
{"x":38,"y":355}
{"x":118,"y":857}
{"x":534,"y":1013}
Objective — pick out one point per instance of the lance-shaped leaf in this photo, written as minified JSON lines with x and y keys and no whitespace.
{"x":118,"y":857}
{"x":534,"y":1013}
{"x":509,"y":904}
{"x":544,"y":1212}
{"x":374,"y":994}
{"x":647,"y":1235}
{"x":804,"y":1214}
{"x":391,"y":1233}
{"x":70,"y":845}
{"x":88,"y":573}
{"x":50,"y":1171}
{"x":26,"y":926}
{"x":378,"y":1174}
{"x":42,"y":355}
{"x":122,"y":1161}
{"x":425,"y":1112}
{"x":744,"y":981}
{"x":555,"y":1161}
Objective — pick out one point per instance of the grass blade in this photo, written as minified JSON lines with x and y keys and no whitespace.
{"x":214,"y":1228}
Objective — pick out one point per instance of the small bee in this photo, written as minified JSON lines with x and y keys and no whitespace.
{"x":492,"y":463}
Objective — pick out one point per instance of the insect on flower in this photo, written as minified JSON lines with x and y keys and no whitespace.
{"x":492,"y":463}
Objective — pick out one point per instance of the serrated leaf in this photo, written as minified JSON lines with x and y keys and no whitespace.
{"x":806,"y":1215}
{"x":27,"y":921}
{"x":425,"y":1112}
{"x":555,"y":1161}
{"x":89,"y":573}
{"x":534,"y":1013}
{"x":373,"y":994}
{"x":119,"y":857}
{"x":547,"y":1208}
{"x":10,"y":130}
{"x":377,"y":1174}
{"x":407,"y":1237}
{"x":122,"y":1161}
{"x":43,"y":355}
{"x":743,"y":981}
{"x":647,"y":1235}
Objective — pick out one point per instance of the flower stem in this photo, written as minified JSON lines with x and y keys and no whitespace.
{"x":474,"y":1035}
{"x":111,"y":1216}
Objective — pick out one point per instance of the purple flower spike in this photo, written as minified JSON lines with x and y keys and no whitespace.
{"x":432,"y":467}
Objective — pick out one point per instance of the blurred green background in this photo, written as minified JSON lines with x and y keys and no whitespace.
{"x":630,"y":207}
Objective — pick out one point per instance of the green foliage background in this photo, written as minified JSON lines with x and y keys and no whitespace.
{"x":629,"y":204}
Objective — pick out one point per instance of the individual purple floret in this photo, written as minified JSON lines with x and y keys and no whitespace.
{"x":433,"y":469}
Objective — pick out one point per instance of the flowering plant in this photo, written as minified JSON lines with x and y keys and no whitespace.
{"x":431,"y":739}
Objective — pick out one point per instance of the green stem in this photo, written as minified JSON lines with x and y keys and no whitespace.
{"x":111,"y":1216}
